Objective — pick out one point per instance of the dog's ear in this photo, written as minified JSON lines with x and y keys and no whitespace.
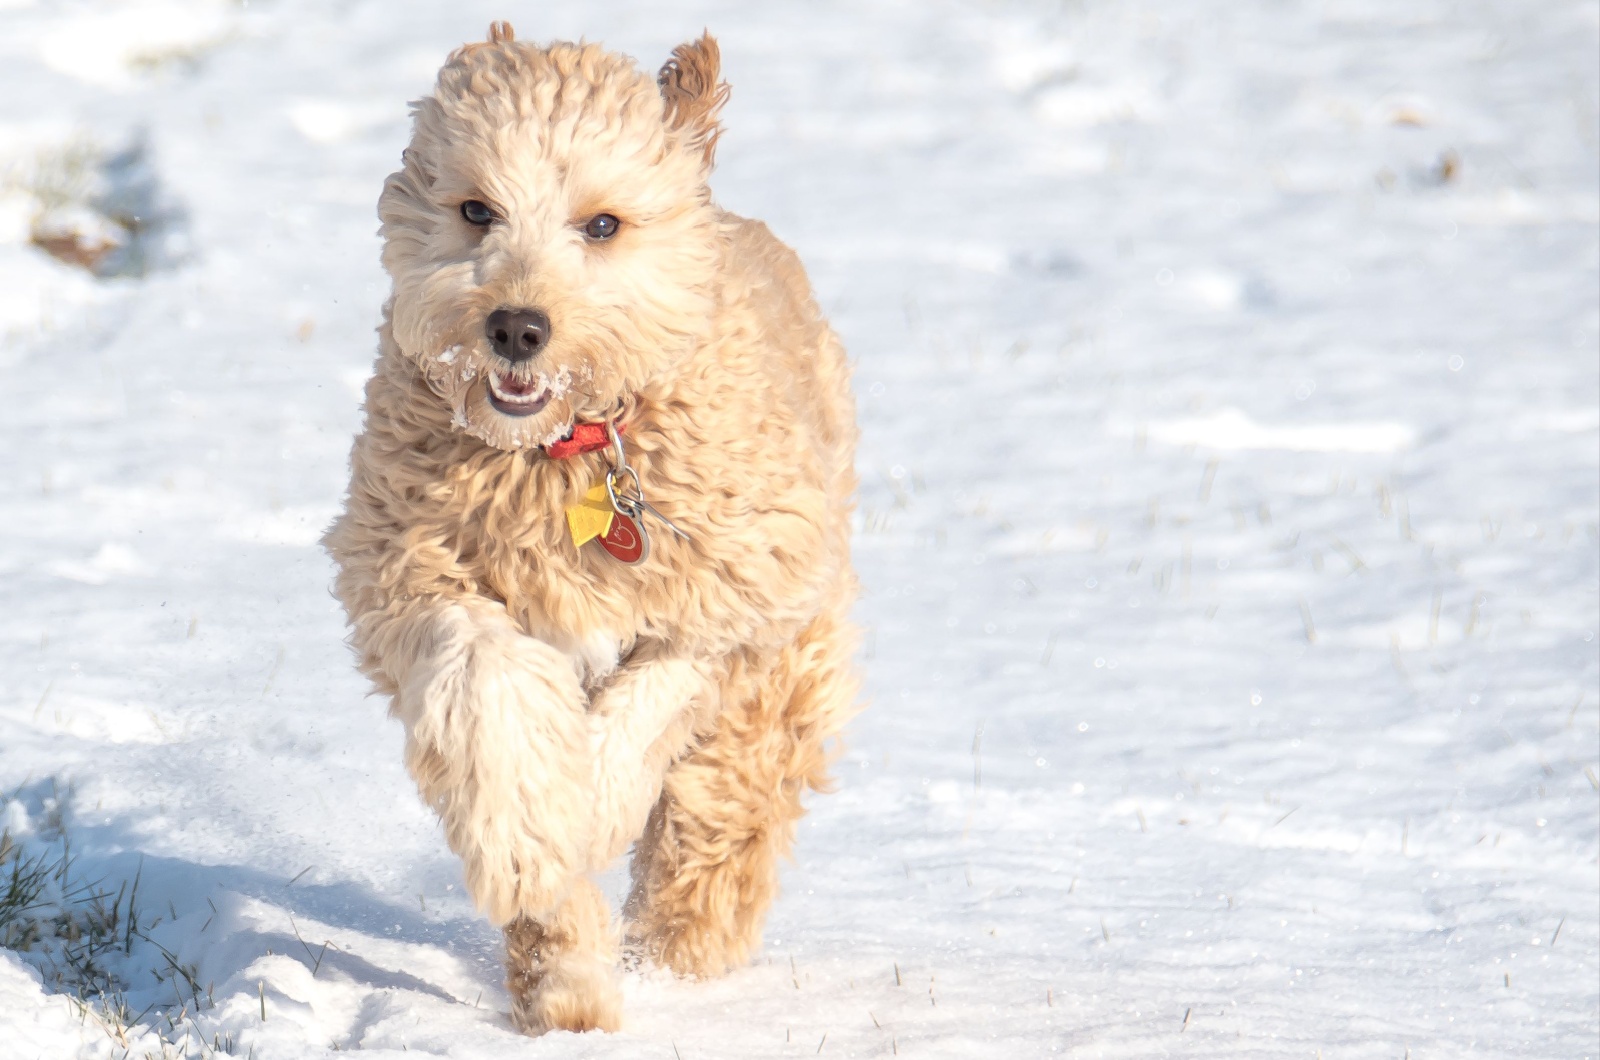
{"x":499,"y":33}
{"x":693,"y":94}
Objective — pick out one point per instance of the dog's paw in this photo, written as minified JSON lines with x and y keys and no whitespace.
{"x":575,"y":993}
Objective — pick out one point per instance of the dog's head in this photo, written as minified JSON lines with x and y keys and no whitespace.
{"x":550,"y":233}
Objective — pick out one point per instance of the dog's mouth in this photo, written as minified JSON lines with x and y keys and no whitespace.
{"x":518,"y":397}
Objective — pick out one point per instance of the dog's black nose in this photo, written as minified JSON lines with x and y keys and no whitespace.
{"x":517,"y":334}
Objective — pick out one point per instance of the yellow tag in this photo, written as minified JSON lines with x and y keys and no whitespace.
{"x":591,"y":517}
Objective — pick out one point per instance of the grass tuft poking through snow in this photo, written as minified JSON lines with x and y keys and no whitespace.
{"x":89,"y":936}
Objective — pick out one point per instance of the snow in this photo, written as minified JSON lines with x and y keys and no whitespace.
{"x":1230,"y":429}
{"x":1229,"y":530}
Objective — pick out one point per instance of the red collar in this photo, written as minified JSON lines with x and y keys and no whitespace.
{"x":585,"y":438}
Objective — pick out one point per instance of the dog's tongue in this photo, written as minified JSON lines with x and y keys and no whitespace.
{"x":510,"y":386}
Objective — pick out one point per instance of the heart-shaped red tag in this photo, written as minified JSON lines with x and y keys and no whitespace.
{"x":626,"y":540}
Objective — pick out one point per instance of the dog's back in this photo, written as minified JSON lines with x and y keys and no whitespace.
{"x":809,"y":363}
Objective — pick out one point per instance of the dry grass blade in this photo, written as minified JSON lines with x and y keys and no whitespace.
{"x":1305,"y":617}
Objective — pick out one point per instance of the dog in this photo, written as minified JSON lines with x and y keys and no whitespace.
{"x":595,"y":549}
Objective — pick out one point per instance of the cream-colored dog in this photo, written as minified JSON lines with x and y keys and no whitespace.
{"x":596,"y":547}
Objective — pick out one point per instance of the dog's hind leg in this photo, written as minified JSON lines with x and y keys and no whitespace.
{"x":559,"y":970}
{"x":705,"y":870}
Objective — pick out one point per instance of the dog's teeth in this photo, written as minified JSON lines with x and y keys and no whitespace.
{"x":534,"y":398}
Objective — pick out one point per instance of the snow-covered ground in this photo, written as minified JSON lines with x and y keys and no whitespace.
{"x":1230,"y":389}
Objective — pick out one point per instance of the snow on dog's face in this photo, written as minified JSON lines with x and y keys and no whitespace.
{"x":550,"y":235}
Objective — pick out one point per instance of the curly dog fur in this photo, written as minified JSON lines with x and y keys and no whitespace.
{"x":560,"y":705}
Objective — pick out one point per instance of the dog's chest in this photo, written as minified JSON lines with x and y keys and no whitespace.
{"x":513,"y":538}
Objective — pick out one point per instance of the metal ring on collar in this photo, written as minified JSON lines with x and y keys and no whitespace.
{"x":629,"y":506}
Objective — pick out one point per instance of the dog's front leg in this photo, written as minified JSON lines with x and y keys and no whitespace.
{"x":642,"y":721}
{"x":498,"y":741}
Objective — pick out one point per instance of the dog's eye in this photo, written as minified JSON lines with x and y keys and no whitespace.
{"x":602,"y":226}
{"x":476,"y":212}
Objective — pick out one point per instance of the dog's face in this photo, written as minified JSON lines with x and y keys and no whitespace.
{"x":550,"y":235}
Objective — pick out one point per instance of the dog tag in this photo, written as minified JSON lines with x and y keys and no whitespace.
{"x":626,"y":540}
{"x":592,"y":517}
